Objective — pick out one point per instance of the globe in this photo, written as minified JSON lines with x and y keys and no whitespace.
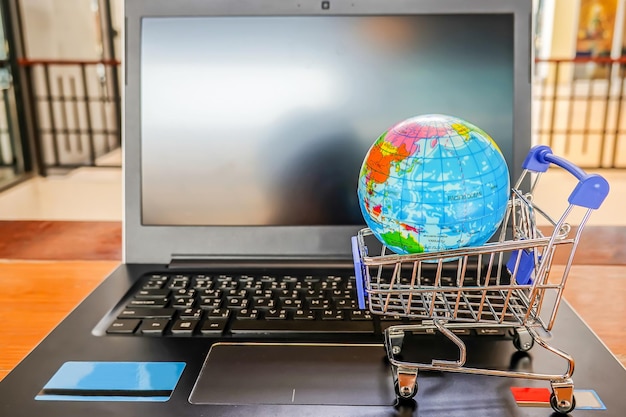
{"x":433,"y":183}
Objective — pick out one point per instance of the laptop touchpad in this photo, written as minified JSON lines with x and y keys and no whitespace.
{"x":311,"y":374}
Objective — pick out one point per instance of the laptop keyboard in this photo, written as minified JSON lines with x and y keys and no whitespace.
{"x":224,"y":304}
{"x":228,"y":305}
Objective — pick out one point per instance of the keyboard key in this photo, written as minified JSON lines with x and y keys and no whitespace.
{"x":279,"y":287}
{"x":227,"y":285}
{"x":154,"y":327}
{"x":346,"y":304}
{"x":218,"y":313}
{"x":263,"y":302}
{"x":236,"y":293}
{"x":360,"y":315}
{"x":191,"y":313}
{"x":183,"y":302}
{"x":148,"y":303}
{"x":123,"y":326}
{"x":147,"y":313}
{"x":179,"y":282}
{"x":210,"y":293}
{"x":213,"y":327}
{"x":252,"y":285}
{"x":291,"y":303}
{"x":202,"y":284}
{"x":276,"y":314}
{"x":246,"y":278}
{"x":303,"y":314}
{"x":224,"y":278}
{"x":184,"y":293}
{"x":248,"y":327}
{"x":210,"y":303}
{"x":184,"y":327}
{"x":157,"y":277}
{"x":155,"y":283}
{"x":332,"y":314}
{"x":247,"y":314}
{"x":237,"y":303}
{"x":310,"y":293}
{"x":152,"y":286}
{"x":319,"y":304}
{"x":156,"y":294}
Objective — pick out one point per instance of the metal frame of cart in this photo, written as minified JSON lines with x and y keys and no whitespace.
{"x":500,"y":284}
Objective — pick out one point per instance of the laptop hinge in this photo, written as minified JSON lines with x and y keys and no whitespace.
{"x":229,"y":262}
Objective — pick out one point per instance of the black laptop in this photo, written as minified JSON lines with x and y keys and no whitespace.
{"x":245,"y":126}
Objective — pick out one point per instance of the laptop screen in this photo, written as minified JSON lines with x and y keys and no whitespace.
{"x":265,"y":120}
{"x":246,"y":122}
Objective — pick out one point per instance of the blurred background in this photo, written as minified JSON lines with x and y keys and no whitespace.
{"x":60,"y":107}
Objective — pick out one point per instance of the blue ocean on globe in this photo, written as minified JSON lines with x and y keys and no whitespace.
{"x":433,"y":183}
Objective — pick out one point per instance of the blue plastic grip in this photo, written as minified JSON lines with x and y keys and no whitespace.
{"x":525,"y":268}
{"x":358,"y":272}
{"x":540,"y":157}
{"x":591,"y":189}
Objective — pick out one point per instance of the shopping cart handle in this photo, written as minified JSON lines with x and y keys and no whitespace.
{"x":591,"y":189}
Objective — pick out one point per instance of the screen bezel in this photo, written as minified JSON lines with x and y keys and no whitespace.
{"x":159,"y":244}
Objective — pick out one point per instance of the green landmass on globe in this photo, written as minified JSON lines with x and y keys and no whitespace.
{"x":431,"y":183}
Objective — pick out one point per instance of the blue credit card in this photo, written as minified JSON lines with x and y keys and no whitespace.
{"x":113,"y":381}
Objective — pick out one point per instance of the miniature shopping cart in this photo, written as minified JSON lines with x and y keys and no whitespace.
{"x":502,"y":284}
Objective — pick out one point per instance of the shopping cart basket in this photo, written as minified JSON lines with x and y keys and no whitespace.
{"x":500,"y":284}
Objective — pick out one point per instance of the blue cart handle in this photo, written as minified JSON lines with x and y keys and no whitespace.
{"x":358,"y":271}
{"x":591,"y":189}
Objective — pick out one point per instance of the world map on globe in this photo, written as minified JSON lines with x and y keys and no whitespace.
{"x":433,"y":183}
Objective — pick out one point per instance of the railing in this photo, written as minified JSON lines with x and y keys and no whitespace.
{"x":10,"y":157}
{"x":578,"y":110}
{"x":77,"y":111}
{"x":7,"y":152}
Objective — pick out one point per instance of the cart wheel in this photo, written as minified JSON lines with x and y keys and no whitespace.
{"x":404,"y":407}
{"x":562,"y":408}
{"x":522,"y":340}
{"x":406,"y":394}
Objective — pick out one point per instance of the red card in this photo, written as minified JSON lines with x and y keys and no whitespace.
{"x":531,"y":396}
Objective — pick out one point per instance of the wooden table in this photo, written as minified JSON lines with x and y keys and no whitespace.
{"x":35,"y":296}
{"x":47,"y":268}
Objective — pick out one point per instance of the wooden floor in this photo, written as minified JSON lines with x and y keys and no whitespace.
{"x":60,"y":240}
{"x":39,"y":258}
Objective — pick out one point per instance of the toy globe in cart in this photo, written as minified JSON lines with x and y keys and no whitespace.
{"x":501,"y":284}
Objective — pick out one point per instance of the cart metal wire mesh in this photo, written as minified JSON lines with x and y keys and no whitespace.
{"x":504,"y":283}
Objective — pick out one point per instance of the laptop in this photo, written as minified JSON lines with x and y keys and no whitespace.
{"x":245,"y":126}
